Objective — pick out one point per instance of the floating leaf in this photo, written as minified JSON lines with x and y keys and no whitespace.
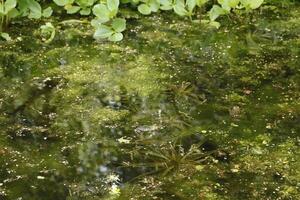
{"x":5,"y":36}
{"x":252,"y":4}
{"x":35,"y":9}
{"x":116,"y":37}
{"x":103,"y":31}
{"x":215,"y":12}
{"x":119,"y":24}
{"x":166,"y":4}
{"x":201,"y":2}
{"x":1,"y":9}
{"x":96,"y":22}
{"x":113,"y":4}
{"x":85,"y":11}
{"x":47,"y":12}
{"x":63,"y":2}
{"x":72,"y":9}
{"x":144,"y":9}
{"x":101,"y":11}
{"x":179,"y":8}
{"x":154,"y":5}
{"x":9,"y":5}
{"x":191,"y":4}
{"x":13,"y":13}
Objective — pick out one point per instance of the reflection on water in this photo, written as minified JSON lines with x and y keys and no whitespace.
{"x":175,"y":111}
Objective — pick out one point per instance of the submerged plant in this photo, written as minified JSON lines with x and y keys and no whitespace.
{"x":165,"y":158}
{"x":48,"y":32}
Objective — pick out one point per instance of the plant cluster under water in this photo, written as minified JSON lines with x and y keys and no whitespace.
{"x":174,"y":111}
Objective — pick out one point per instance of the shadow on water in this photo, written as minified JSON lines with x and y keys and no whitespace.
{"x":174,"y":111}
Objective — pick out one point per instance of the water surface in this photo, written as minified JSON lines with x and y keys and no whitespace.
{"x":174,"y":111}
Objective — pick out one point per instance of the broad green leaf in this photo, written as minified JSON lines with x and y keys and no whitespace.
{"x":23,"y":8}
{"x":35,"y":9}
{"x":101,"y":11}
{"x":96,"y":22}
{"x":215,"y":12}
{"x":72,"y":9}
{"x":116,"y":37}
{"x":85,"y":3}
{"x":103,"y":31}
{"x":119,"y":24}
{"x":191,"y":4}
{"x":9,"y":5}
{"x":5,"y":36}
{"x":233,"y":3}
{"x":166,"y":4}
{"x":1,"y":9}
{"x":228,"y":4}
{"x":252,"y":4}
{"x":154,"y":5}
{"x":85,"y":11}
{"x":13,"y":13}
{"x":63,"y":2}
{"x":179,"y":8}
{"x":47,"y":12}
{"x":144,"y":9}
{"x":113,"y":4}
{"x":201,"y":2}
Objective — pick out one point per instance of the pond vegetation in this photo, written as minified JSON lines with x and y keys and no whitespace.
{"x":177,"y":110}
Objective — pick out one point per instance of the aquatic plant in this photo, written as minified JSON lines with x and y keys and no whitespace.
{"x":108,"y":21}
{"x":10,"y":9}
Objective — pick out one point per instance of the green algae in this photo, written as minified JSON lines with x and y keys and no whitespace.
{"x":74,"y":112}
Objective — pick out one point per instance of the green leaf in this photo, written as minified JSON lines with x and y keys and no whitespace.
{"x":116,"y":37}
{"x":199,"y":167}
{"x":85,"y":11}
{"x":233,"y":3}
{"x":166,"y":5}
{"x":191,"y":4}
{"x":48,"y":32}
{"x":1,"y":9}
{"x":154,"y":5}
{"x":103,"y":31}
{"x":215,"y":24}
{"x":5,"y":36}
{"x":9,"y":5}
{"x":85,"y":3}
{"x":47,"y":12}
{"x":13,"y":13}
{"x":113,"y":4}
{"x":215,"y":12}
{"x":252,"y":4}
{"x":179,"y":8}
{"x":35,"y":9}
{"x":201,"y":2}
{"x":101,"y":11}
{"x":72,"y":9}
{"x":119,"y":24}
{"x":96,"y":22}
{"x":23,"y":7}
{"x":63,"y":2}
{"x":228,"y":4}
{"x":144,"y":9}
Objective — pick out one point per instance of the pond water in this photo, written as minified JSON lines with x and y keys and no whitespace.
{"x":174,"y":111}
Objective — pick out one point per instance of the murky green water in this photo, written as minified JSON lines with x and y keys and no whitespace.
{"x":175,"y":111}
